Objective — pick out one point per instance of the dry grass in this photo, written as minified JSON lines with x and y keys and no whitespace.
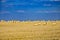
{"x":30,"y":30}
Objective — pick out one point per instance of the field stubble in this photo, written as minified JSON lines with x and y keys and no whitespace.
{"x":30,"y":30}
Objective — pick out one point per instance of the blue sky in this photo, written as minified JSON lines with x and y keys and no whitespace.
{"x":29,"y":9}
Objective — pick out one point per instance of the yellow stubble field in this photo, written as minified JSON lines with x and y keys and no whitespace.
{"x":30,"y":30}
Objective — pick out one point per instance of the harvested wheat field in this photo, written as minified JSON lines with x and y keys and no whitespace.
{"x":29,"y":30}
